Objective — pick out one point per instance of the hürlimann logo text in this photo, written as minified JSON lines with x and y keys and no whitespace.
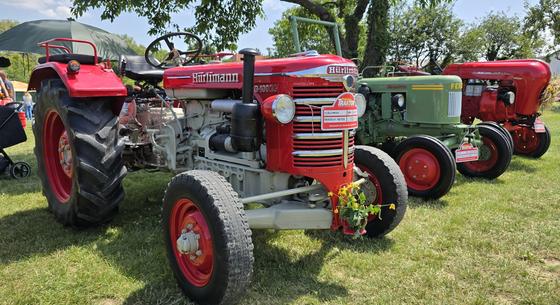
{"x":209,"y":77}
{"x":342,"y":70}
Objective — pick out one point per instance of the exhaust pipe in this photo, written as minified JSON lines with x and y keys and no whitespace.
{"x":248,"y":73}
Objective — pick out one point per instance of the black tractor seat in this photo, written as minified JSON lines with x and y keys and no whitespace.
{"x":136,"y":68}
{"x":65,"y":58}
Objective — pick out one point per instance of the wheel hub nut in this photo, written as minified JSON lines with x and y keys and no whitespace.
{"x":187,"y":243}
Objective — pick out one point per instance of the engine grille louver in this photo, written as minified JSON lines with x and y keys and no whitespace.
{"x":312,"y":146}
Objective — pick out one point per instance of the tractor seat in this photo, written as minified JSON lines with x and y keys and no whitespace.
{"x":65,"y":58}
{"x":136,"y":68}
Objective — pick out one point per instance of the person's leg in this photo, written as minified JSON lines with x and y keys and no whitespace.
{"x":28,"y":112}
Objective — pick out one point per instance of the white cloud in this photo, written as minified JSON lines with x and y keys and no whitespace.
{"x":49,"y":8}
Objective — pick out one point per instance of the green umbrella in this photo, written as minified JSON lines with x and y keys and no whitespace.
{"x":25,"y":37}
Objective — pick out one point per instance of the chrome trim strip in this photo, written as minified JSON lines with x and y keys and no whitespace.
{"x":314,"y":136}
{"x":317,"y":153}
{"x":308,"y":119}
{"x":315,"y":101}
{"x":179,"y":77}
{"x":345,"y":149}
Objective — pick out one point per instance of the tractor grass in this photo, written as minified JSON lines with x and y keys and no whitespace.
{"x":485,"y":242}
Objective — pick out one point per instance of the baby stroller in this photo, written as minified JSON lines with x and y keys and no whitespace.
{"x":12,"y":133}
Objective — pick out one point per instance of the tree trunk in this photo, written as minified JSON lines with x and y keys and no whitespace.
{"x":377,"y":34}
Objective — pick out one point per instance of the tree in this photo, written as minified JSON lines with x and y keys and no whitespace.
{"x":312,"y":36}
{"x":502,"y":37}
{"x":425,"y":36}
{"x":219,"y":21}
{"x":6,"y":24}
{"x":543,"y":16}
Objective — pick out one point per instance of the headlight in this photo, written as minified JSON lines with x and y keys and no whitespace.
{"x":349,"y":81}
{"x":361,"y":103}
{"x":283,"y":108}
{"x":398,"y":99}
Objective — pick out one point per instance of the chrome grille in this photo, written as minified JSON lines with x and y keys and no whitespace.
{"x":312,"y":146}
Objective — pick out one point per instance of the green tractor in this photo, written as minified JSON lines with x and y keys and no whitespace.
{"x":416,"y":119}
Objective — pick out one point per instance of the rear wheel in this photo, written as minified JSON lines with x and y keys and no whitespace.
{"x":531,"y":144}
{"x":386,"y":186}
{"x":495,"y":155}
{"x":427,"y":165}
{"x":79,"y":156}
{"x":207,"y":238}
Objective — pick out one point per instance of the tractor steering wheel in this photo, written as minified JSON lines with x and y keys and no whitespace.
{"x":174,"y":57}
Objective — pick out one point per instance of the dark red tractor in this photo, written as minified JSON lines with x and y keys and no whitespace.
{"x":508,"y":93}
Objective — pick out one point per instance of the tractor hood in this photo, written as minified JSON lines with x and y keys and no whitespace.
{"x":230,"y":75}
{"x":392,"y":83}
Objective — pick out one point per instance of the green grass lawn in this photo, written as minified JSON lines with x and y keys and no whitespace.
{"x":485,"y":242}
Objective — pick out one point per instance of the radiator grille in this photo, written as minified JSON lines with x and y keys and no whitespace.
{"x":454,"y":107}
{"x":312,"y":146}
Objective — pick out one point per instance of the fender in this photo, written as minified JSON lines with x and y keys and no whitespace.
{"x":90,"y":81}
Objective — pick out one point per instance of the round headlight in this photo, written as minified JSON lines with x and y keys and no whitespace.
{"x":361,"y":103}
{"x":283,"y":109}
{"x":399,"y":100}
{"x":349,"y":81}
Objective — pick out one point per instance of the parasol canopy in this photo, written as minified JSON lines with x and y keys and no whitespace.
{"x":25,"y":37}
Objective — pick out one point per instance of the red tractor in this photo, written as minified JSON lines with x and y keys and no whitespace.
{"x":277,"y":132}
{"x":509,"y":93}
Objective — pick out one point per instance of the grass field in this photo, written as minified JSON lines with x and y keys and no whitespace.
{"x":484,"y":243}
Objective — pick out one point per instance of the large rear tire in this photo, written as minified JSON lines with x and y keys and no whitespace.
{"x":531,"y":144}
{"x":427,"y":165}
{"x":388,"y":187}
{"x":79,"y":156}
{"x":495,"y":155}
{"x":207,"y":237}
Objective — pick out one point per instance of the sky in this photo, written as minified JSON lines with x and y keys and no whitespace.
{"x":130,"y":24}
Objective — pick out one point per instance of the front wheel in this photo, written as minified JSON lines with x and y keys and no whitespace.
{"x":531,"y":144}
{"x":427,"y":165}
{"x":494,"y":155}
{"x":386,"y":187}
{"x":207,"y":238}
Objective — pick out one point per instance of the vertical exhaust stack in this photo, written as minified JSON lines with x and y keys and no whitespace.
{"x":248,"y":73}
{"x":246,"y":123}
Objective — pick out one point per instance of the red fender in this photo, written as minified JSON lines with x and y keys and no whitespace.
{"x":90,"y":81}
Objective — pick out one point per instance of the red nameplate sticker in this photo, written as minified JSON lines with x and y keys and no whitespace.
{"x":539,"y":126}
{"x":466,"y":153}
{"x":341,"y":115}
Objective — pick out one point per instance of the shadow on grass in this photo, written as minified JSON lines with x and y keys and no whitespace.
{"x":414,"y":202}
{"x":518,"y":165}
{"x":460,"y":179}
{"x":133,"y":243}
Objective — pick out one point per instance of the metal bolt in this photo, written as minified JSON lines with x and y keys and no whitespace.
{"x":410,"y":167}
{"x":416,"y":161}
{"x":198,"y":253}
{"x":423,"y":176}
{"x":192,"y":257}
{"x":414,"y":176}
{"x":425,"y":166}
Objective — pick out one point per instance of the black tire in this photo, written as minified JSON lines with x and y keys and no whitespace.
{"x":484,"y":168}
{"x":95,"y":188}
{"x":229,"y":230}
{"x":439,"y":153}
{"x":20,"y":170}
{"x":502,"y":130}
{"x":543,"y":146}
{"x":391,"y":184}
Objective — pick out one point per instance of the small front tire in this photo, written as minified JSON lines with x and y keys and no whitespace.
{"x":218,"y":269}
{"x":389,"y":188}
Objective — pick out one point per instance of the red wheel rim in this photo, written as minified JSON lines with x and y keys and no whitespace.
{"x":379,"y":192}
{"x":196,"y":266}
{"x":526,"y":140}
{"x":420,"y":168}
{"x":57,"y":156}
{"x":485,"y":165}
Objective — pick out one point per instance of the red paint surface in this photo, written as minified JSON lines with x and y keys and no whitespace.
{"x":420,"y":168}
{"x":53,"y":130}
